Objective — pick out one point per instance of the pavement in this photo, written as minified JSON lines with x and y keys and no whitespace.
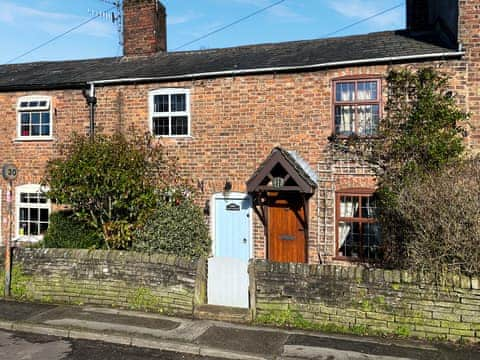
{"x":25,"y":346}
{"x":214,"y":339}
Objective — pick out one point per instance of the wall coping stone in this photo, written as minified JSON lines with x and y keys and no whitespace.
{"x":126,"y":257}
{"x":370,"y":275}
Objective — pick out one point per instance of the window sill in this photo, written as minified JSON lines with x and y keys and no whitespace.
{"x":173,"y":137}
{"x":355,"y":136}
{"x":348,"y":259}
{"x":354,"y":260}
{"x":22,"y":239}
{"x":34,"y":139}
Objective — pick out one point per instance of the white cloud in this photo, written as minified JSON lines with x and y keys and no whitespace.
{"x":182,"y":19}
{"x":361,"y":9}
{"x":52,"y":23}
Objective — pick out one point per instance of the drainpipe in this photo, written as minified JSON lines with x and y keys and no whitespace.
{"x":92,"y":103}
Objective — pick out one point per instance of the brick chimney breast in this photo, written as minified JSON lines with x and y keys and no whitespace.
{"x":144,"y":27}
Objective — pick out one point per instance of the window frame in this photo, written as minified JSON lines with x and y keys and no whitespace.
{"x":169,"y":114}
{"x":48,"y":108}
{"x":29,"y":188}
{"x":353,"y":192}
{"x":356,"y":79}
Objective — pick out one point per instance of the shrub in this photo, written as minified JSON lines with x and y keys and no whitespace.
{"x":176,"y":227}
{"x":66,"y":231}
{"x":108,"y":181}
{"x":439,"y":221}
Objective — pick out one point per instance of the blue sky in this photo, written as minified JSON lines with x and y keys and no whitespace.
{"x":24,"y":24}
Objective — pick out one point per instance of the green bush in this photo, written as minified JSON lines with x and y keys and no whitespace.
{"x":174,"y":227}
{"x":108,"y":181}
{"x":66,"y":231}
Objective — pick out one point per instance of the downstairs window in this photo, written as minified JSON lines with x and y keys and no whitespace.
{"x":358,"y":235}
{"x":33,"y":212}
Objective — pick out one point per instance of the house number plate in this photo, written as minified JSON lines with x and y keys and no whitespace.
{"x":233,"y":207}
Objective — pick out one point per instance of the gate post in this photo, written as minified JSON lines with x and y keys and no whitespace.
{"x":252,"y":290}
{"x":200,"y":295}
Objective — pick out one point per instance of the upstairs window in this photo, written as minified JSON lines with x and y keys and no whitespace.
{"x":170,"y":112}
{"x":358,"y":235}
{"x":356,"y":107}
{"x":34,"y":117}
{"x":33,"y":211}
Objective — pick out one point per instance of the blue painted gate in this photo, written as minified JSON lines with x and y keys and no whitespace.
{"x":232,"y":228}
{"x":228,"y":268}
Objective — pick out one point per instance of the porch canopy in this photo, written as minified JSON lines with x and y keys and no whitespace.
{"x":282,"y":172}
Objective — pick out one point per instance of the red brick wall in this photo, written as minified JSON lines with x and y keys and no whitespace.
{"x":236,"y":121}
{"x":470,"y":39}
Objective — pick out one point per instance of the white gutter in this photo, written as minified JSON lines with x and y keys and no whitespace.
{"x":280,"y":68}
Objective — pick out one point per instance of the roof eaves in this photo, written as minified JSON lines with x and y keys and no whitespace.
{"x":50,"y":86}
{"x":239,"y":72}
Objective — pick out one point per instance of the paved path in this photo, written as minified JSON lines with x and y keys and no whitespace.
{"x":24,"y":346}
{"x":199,"y":338}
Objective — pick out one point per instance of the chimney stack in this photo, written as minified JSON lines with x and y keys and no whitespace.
{"x":418,"y":18}
{"x":144,"y":27}
{"x":440,"y":16}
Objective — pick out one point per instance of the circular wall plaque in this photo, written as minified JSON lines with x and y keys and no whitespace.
{"x":9,"y":172}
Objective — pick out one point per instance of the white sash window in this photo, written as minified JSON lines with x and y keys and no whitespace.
{"x":34,"y":118}
{"x":33,"y":212}
{"x":170,"y":112}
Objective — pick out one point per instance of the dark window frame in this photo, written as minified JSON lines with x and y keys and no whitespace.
{"x":359,"y":193}
{"x":356,"y":103}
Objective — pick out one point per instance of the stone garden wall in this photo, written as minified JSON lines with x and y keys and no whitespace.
{"x":320,"y":297}
{"x":359,"y":300}
{"x":159,"y":283}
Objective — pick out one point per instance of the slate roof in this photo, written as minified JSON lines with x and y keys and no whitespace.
{"x":264,"y":57}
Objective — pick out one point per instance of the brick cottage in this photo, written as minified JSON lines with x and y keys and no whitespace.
{"x":250,"y":125}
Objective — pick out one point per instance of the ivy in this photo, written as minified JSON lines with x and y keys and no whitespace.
{"x":421,"y":132}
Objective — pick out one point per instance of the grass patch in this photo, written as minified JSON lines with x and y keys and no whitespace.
{"x":293,"y":319}
{"x":19,"y":284}
{"x":144,"y":300}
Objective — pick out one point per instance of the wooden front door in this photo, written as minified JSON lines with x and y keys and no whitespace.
{"x":286,"y":231}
